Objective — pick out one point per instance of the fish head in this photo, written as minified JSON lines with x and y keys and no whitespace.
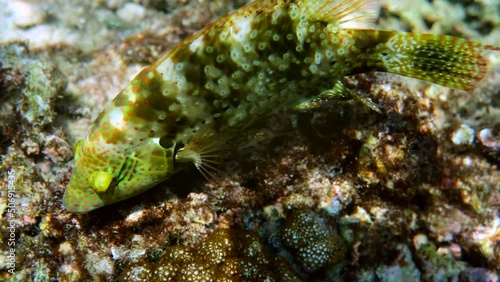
{"x":106,"y":174}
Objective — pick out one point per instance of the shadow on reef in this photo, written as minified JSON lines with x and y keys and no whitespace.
{"x":375,"y":159}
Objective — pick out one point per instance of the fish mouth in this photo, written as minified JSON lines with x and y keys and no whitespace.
{"x":70,"y":206}
{"x":78,"y":201}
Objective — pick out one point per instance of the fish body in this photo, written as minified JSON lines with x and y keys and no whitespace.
{"x":268,"y":55}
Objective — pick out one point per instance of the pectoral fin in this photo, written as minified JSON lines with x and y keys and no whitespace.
{"x":206,"y":151}
{"x":338,"y":92}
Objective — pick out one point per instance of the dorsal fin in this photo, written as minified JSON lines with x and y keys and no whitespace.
{"x":345,"y":13}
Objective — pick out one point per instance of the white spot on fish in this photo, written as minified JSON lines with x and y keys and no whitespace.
{"x":116,"y":119}
{"x":241,"y":29}
{"x":196,"y":44}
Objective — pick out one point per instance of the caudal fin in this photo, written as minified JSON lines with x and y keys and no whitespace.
{"x":449,"y":61}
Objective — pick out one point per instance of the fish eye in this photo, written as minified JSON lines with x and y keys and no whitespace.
{"x":167,"y":142}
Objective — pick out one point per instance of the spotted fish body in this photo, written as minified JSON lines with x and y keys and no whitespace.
{"x":265,"y":56}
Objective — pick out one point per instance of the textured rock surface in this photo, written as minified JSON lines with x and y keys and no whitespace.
{"x":404,"y":196}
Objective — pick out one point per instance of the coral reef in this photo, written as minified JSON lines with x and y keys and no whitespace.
{"x":412,"y":193}
{"x":439,"y":264}
{"x":315,"y":245}
{"x":34,"y":151}
{"x":225,"y":255}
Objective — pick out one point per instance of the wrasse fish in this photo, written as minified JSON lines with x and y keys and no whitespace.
{"x":267,"y":55}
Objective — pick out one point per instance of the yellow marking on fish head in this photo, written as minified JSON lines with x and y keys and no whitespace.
{"x":100,"y":181}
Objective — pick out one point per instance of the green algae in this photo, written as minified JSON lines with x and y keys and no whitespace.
{"x":437,"y":266}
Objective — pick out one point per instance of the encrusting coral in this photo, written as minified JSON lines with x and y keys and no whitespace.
{"x":225,"y":255}
{"x":314,"y":243}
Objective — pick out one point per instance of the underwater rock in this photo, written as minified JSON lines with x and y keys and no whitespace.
{"x":478,"y":275}
{"x":463,"y":135}
{"x":387,"y":175}
{"x":436,"y":264}
{"x":489,"y":143}
{"x":402,"y":269}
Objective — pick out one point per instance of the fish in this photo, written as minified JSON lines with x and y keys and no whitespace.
{"x":186,"y":107}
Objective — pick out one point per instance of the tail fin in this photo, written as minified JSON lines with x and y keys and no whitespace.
{"x":449,"y":61}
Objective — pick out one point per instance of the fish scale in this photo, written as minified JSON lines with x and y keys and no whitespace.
{"x":266,"y":56}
